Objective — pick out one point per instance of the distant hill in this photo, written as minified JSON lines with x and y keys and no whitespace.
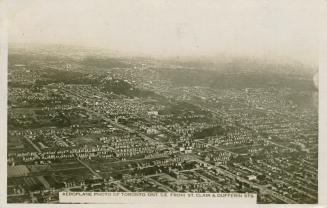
{"x":215,"y":72}
{"x":224,"y":78}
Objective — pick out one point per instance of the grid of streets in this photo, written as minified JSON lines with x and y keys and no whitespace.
{"x":142,"y":125}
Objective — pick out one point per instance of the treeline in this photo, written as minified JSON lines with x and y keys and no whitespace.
{"x":180,"y":108}
{"x":121,"y":87}
{"x":95,"y":62}
{"x":212,"y":131}
{"x":224,"y":79}
{"x":66,"y":77}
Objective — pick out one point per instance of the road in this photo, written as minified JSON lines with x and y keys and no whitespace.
{"x":238,"y":125}
{"x":95,"y":174}
{"x":224,"y":172}
{"x":217,"y":148}
{"x":33,"y":145}
{"x":252,"y":184}
{"x":117,"y":125}
{"x":121,"y":186}
{"x":161,"y":185}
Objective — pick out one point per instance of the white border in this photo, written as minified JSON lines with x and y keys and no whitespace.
{"x":322,"y":125}
{"x":322,"y":161}
{"x":3,"y":101}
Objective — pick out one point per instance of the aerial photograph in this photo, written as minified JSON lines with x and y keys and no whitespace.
{"x":162,"y":96}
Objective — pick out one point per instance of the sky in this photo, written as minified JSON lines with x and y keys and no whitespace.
{"x":286,"y":29}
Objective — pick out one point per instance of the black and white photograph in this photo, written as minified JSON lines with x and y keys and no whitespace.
{"x":177,"y":99}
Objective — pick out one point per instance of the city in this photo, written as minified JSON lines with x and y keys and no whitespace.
{"x":80,"y":120}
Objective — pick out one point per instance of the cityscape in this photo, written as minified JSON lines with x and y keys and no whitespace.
{"x":84,"y":120}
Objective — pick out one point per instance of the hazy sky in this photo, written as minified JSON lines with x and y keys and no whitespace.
{"x":264,"y":28}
